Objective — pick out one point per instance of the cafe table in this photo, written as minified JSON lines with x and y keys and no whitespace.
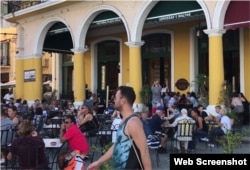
{"x":53,"y":149}
{"x":52,"y":143}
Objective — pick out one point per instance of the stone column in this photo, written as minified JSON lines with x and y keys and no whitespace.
{"x":19,"y":79}
{"x":19,"y":89}
{"x":79,"y":76}
{"x":216,"y":66}
{"x":135,"y":72}
{"x":33,"y":89}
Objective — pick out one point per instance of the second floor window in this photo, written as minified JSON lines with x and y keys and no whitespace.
{"x":5,"y":46}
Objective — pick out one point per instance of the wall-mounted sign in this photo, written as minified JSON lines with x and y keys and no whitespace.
{"x":182,"y":84}
{"x":29,"y":75}
{"x":175,"y":16}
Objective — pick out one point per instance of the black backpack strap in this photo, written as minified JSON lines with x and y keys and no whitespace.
{"x":128,"y":118}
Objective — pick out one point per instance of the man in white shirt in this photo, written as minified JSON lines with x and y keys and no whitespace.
{"x":224,"y":125}
{"x":7,"y":96}
{"x":180,"y":119}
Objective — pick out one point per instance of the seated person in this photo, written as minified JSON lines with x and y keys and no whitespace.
{"x":200,"y":130}
{"x":172,"y":113}
{"x":70,"y":161}
{"x":202,"y":112}
{"x":182,"y":117}
{"x":213,"y":115}
{"x":87,"y":122}
{"x":71,"y":133}
{"x":29,"y":148}
{"x":12,"y":113}
{"x":6,"y":134}
{"x":156,"y":123}
{"x":145,"y":123}
{"x":224,"y":125}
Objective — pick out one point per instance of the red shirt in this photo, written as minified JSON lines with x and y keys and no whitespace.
{"x":153,"y":111}
{"x":76,"y":140}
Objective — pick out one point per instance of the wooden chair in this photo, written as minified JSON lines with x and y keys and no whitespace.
{"x":183,"y":133}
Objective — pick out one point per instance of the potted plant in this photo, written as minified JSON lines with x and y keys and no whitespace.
{"x":146,"y":95}
{"x":201,"y":86}
{"x":225,"y":95}
{"x":106,"y":165}
{"x":232,"y":140}
{"x":234,"y":118}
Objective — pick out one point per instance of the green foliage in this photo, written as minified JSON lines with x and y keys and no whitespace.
{"x":106,"y":165}
{"x":225,"y":95}
{"x":146,"y":94}
{"x":201,"y":86}
{"x":232,"y":115}
{"x":232,"y":140}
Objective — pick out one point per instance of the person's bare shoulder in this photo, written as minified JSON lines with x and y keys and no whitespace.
{"x":134,"y":125}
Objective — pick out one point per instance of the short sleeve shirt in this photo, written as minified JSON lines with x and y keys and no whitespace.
{"x":155,"y":123}
{"x":76,"y":140}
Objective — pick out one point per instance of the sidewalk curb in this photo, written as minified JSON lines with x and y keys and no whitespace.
{"x":246,"y":140}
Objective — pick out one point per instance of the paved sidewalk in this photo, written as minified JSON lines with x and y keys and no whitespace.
{"x":202,"y":148}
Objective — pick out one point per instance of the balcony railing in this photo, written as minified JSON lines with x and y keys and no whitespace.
{"x":14,"y":6}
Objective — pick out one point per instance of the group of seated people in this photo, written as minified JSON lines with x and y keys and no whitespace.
{"x":83,"y":121}
{"x":29,"y":146}
{"x":154,"y":126}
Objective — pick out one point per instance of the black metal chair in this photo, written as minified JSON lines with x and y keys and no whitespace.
{"x":211,"y":125}
{"x":52,"y":130}
{"x":29,"y":156}
{"x":8,"y":134}
{"x":52,"y":155}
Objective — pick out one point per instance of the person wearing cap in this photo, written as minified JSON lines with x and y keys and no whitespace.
{"x":156,"y":123}
{"x":182,"y":117}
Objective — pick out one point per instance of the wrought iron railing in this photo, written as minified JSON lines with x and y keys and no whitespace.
{"x":14,"y":6}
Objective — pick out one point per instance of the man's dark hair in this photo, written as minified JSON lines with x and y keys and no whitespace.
{"x":4,"y":112}
{"x":128,"y":93}
{"x":14,"y":108}
{"x":71,"y":117}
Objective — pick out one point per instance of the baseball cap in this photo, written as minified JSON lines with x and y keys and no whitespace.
{"x":159,"y":109}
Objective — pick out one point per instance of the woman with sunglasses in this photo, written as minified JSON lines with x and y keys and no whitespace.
{"x":87,"y":121}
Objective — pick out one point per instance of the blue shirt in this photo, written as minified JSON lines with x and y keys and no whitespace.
{"x":155,"y":123}
{"x":146,"y":128}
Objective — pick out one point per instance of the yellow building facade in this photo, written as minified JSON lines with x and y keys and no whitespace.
{"x":111,"y":43}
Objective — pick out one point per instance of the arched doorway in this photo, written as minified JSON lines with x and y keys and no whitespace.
{"x":108,"y":58}
{"x":156,"y":59}
{"x":58,"y":40}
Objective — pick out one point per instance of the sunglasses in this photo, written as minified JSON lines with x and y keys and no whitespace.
{"x":66,"y":122}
